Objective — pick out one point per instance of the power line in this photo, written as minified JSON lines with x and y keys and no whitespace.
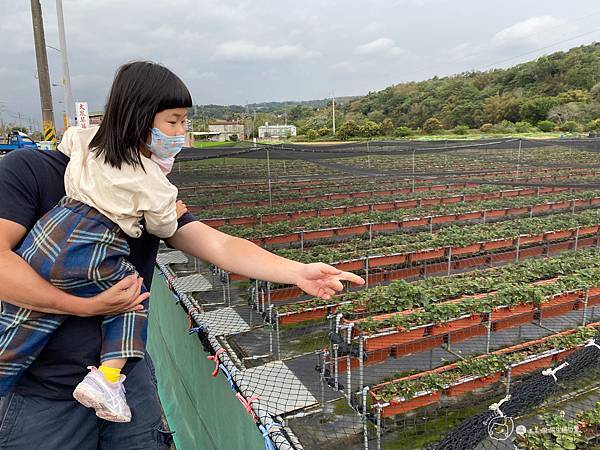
{"x":541,"y":48}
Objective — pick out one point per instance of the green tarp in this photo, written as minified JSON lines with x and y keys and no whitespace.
{"x":202,"y":410}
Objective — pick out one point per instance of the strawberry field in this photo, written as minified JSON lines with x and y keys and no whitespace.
{"x":481,"y":309}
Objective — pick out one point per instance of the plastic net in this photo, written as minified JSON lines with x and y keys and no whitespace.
{"x":478,"y":326}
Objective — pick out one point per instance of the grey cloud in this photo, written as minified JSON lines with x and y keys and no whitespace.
{"x":264,"y":50}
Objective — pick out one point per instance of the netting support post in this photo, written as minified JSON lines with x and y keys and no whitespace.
{"x":323,"y":359}
{"x":413,"y":171}
{"x":367,"y":273}
{"x":508,"y":380}
{"x":338,"y":317}
{"x":378,"y":418}
{"x":489,"y":332}
{"x":278,"y":341}
{"x":518,"y":160}
{"x":256,"y":291}
{"x":262,"y":298}
{"x":573,"y":208}
{"x":585,"y":305}
{"x":577,"y":237}
{"x":348,"y":363}
{"x":228,"y":289}
{"x":271,"y":331}
{"x":430,"y":224}
{"x":518,"y":249}
{"x":361,"y":363}
{"x":370,"y":231}
{"x":302,"y":240}
{"x":364,"y":392}
{"x":335,"y":367}
{"x":269,"y":179}
{"x":484,"y":216}
{"x":449,"y":260}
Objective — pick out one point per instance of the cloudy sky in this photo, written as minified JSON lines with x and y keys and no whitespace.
{"x":233,"y":52}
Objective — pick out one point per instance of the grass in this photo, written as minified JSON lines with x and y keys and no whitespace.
{"x":211,"y":144}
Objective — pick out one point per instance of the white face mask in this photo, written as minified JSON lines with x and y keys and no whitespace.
{"x":164,"y":149}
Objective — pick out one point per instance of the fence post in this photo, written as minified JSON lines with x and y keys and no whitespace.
{"x":348,"y":363}
{"x":585,"y":305}
{"x":489,"y":332}
{"x":364,"y":418}
{"x":449,"y":260}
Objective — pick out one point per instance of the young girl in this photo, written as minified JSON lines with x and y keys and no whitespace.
{"x":115,"y":185}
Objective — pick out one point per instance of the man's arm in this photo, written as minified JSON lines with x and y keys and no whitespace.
{"x":245,"y":258}
{"x":20,"y":285}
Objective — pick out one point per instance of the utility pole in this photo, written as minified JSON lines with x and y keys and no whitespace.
{"x":66,"y":81}
{"x":333,"y":110}
{"x":42,"y":69}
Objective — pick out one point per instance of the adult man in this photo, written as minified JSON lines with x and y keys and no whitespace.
{"x":41,"y":410}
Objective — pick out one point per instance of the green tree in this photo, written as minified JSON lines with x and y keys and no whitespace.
{"x":523,"y":127}
{"x":348,"y":129}
{"x":537,"y":108}
{"x":461,"y":129}
{"x":324,"y":131}
{"x":573,"y":95}
{"x":387,"y":126}
{"x":432,"y":125}
{"x":369,"y":129}
{"x":569,"y":126}
{"x":546,"y":126}
{"x":594,"y":125}
{"x":312,"y":134}
{"x":403,"y":132}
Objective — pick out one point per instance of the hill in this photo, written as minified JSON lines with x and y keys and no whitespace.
{"x":558,"y":90}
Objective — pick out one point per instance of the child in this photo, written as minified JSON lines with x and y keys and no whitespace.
{"x":115,"y":185}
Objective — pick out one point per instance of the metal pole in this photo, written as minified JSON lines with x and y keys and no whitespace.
{"x":42,"y":71}
{"x":518,"y":161}
{"x":348,"y":364}
{"x":587,"y":296}
{"x":68,"y":94}
{"x":333,"y":110}
{"x":364,"y":418}
{"x":269,"y":179}
{"x":368,"y":156}
{"x":413,"y":170}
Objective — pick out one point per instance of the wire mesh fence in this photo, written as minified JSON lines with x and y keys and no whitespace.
{"x":479,"y":325}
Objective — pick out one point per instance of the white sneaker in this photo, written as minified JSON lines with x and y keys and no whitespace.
{"x":108,"y":399}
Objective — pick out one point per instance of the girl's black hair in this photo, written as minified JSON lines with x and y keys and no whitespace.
{"x":139,"y":91}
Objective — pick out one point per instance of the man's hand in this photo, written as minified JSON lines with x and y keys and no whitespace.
{"x":181,"y":208}
{"x":122,"y":297}
{"x":322,"y":280}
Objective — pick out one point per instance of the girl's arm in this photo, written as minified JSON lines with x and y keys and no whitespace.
{"x":20,"y":285}
{"x":245,"y":258}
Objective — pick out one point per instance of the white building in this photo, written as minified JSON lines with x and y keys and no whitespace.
{"x":223,"y":130}
{"x":276,"y":131}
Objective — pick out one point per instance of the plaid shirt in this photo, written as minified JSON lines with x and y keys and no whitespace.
{"x":82,"y":252}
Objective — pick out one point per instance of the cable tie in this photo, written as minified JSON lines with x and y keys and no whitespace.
{"x":552,"y":372}
{"x":215,"y":358}
{"x":247,"y":404}
{"x":496,"y":406}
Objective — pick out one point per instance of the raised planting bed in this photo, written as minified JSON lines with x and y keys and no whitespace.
{"x":399,"y":295}
{"x":480,"y":372}
{"x":551,"y":298}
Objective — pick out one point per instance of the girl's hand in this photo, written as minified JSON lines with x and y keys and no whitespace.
{"x":322,"y":280}
{"x":181,"y":208}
